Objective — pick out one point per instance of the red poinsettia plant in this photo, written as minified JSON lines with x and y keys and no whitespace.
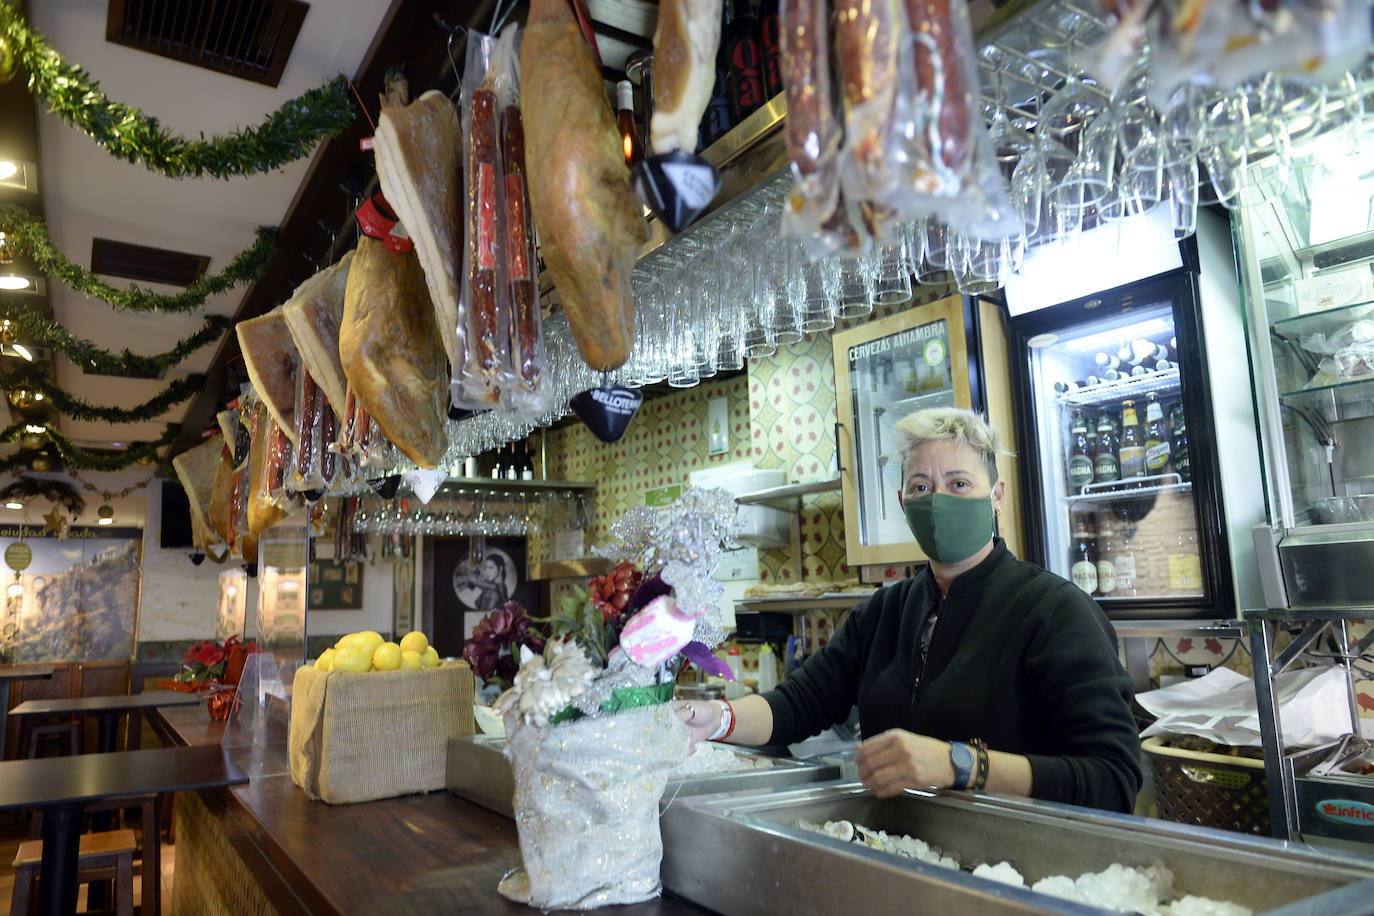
{"x":209,"y":662}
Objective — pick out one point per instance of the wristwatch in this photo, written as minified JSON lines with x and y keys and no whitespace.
{"x":963,"y":758}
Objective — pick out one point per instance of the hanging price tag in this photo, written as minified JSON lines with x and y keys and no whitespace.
{"x":377,"y":220}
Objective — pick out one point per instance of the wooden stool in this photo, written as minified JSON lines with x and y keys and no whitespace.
{"x":100,"y":857}
{"x":70,"y":731}
{"x":149,"y":850}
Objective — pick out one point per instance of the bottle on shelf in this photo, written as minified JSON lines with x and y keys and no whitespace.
{"x":470,"y":466}
{"x":1106,"y":555}
{"x":1156,"y":440}
{"x":716,"y":123}
{"x":1107,"y":361}
{"x":735,"y":689}
{"x":770,"y":41}
{"x":1131,"y":453}
{"x":1105,"y":467}
{"x":498,"y":464}
{"x":1137,"y":371}
{"x":1066,"y":387}
{"x":1123,"y":556}
{"x":1091,"y":380}
{"x":625,"y":121}
{"x":1178,"y":442}
{"x":744,"y":79}
{"x":768,"y":668}
{"x":1080,"y":461}
{"x":527,"y":461}
{"x":1110,"y":375}
{"x":512,"y":465}
{"x":1163,"y":365}
{"x":1083,"y":551}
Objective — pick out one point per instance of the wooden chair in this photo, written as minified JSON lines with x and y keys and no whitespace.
{"x":149,"y":851}
{"x":100,"y":857}
{"x":62,"y":733}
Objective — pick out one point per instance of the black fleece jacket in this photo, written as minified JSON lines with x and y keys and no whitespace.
{"x":1019,"y":658}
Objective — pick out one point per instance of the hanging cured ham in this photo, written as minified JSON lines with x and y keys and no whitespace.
{"x":196,"y":468}
{"x":313,"y":315}
{"x":589,"y":222}
{"x":271,"y":358}
{"x":262,"y":512}
{"x":420,"y":166}
{"x":220,"y":511}
{"x":391,"y":352}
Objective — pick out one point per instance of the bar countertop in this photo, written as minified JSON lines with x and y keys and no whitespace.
{"x":428,"y":853}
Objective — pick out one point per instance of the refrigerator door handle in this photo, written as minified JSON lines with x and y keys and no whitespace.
{"x":839,"y":465}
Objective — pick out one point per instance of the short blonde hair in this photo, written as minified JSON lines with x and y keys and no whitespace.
{"x":952,"y":423}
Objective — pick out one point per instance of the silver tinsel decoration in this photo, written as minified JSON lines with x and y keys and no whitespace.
{"x":682,"y":542}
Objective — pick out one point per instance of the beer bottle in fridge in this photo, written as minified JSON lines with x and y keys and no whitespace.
{"x":1105,"y":468}
{"x":1083,"y":551}
{"x":1080,"y":462}
{"x":1131,"y":455}
{"x":1106,"y":554}
{"x":1156,"y":440}
{"x":1178,"y":432}
{"x":744,"y":79}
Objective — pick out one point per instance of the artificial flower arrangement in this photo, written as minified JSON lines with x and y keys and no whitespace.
{"x":590,"y":732}
{"x":215,"y":668}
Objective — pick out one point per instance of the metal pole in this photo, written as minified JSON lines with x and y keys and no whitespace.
{"x":1261,"y":639}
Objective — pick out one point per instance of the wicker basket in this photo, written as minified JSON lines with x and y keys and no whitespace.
{"x":1209,"y":790}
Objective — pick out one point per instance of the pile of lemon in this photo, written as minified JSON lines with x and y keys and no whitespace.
{"x":368,"y":651}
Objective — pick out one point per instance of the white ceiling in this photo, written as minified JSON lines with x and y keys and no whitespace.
{"x":88,"y":193}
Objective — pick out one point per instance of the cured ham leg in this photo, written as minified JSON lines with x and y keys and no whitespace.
{"x":685,"y":45}
{"x":588,"y":219}
{"x":196,"y":468}
{"x":420,"y":165}
{"x":313,"y":315}
{"x":391,"y":352}
{"x":271,"y":358}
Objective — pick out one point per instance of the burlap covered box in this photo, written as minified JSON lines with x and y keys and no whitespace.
{"x":359,"y":737}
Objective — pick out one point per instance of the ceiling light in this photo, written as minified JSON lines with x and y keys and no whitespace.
{"x":13,"y":504}
{"x":106,"y":513}
{"x":23,"y":352}
{"x":10,"y":281}
{"x":16,"y":589}
{"x":8,"y":169}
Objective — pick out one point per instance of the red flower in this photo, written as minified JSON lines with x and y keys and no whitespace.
{"x":611,"y":592}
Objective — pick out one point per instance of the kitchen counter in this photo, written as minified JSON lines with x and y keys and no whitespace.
{"x":266,"y":847}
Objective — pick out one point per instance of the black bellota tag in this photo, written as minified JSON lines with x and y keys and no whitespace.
{"x":313,"y":494}
{"x":385,"y":487}
{"x":607,"y":410}
{"x":677,"y":186}
{"x":243,"y":444}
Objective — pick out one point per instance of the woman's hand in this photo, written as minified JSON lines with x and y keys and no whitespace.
{"x":702,"y":718}
{"x":897,"y":760}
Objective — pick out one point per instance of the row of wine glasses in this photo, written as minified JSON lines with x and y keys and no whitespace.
{"x":477,"y":512}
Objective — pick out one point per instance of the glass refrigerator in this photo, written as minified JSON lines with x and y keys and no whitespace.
{"x":1305,"y":241}
{"x":1138,"y":454}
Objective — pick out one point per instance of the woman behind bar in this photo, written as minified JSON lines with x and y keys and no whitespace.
{"x":980,"y":672}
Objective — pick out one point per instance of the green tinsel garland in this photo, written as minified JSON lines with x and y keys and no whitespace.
{"x":91,"y":358}
{"x":77,"y":457}
{"x":30,"y":234}
{"x":65,"y":404}
{"x":127,"y":133}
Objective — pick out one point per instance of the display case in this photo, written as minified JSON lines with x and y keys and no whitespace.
{"x":1306,"y":254}
{"x":947,"y":353}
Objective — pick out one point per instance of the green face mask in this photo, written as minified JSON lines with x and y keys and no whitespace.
{"x":950,"y":528}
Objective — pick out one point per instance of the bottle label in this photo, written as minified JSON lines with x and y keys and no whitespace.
{"x":1133,"y":461}
{"x":1185,"y":572}
{"x":1084,"y":575}
{"x":746,"y":60}
{"x":1124,"y":564}
{"x":1080,"y":470}
{"x":1105,"y":469}
{"x":1183,"y":464}
{"x":1157,"y":456}
{"x":1106,"y":576}
{"x":772,"y":54}
{"x":1153,"y":412}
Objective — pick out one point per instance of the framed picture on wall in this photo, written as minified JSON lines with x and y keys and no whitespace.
{"x":336,"y":585}
{"x":471,"y":577}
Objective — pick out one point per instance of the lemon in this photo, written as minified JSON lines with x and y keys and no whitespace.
{"x":387,"y":657}
{"x":351,"y":658}
{"x":410,"y":659}
{"x":326,"y":661}
{"x":366,"y":641}
{"x":431,"y":658}
{"x":414,"y":641}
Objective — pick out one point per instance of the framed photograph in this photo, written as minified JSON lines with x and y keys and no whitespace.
{"x":336,"y":585}
{"x":468,"y":578}
{"x":885,"y":370}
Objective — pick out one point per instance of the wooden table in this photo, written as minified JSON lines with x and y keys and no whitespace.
{"x":15,"y":673}
{"x":106,"y":709}
{"x":63,"y":785}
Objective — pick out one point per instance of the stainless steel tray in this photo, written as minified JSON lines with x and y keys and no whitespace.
{"x":479,"y":771}
{"x":743,"y":854}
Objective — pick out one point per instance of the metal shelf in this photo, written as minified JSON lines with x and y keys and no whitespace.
{"x":1127,"y":492}
{"x":1298,"y":325}
{"x":1353,"y":393}
{"x":1133,"y":386}
{"x":788,"y":496}
{"x":800,"y":604}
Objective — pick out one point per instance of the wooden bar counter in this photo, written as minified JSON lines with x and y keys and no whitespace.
{"x":267,"y":848}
